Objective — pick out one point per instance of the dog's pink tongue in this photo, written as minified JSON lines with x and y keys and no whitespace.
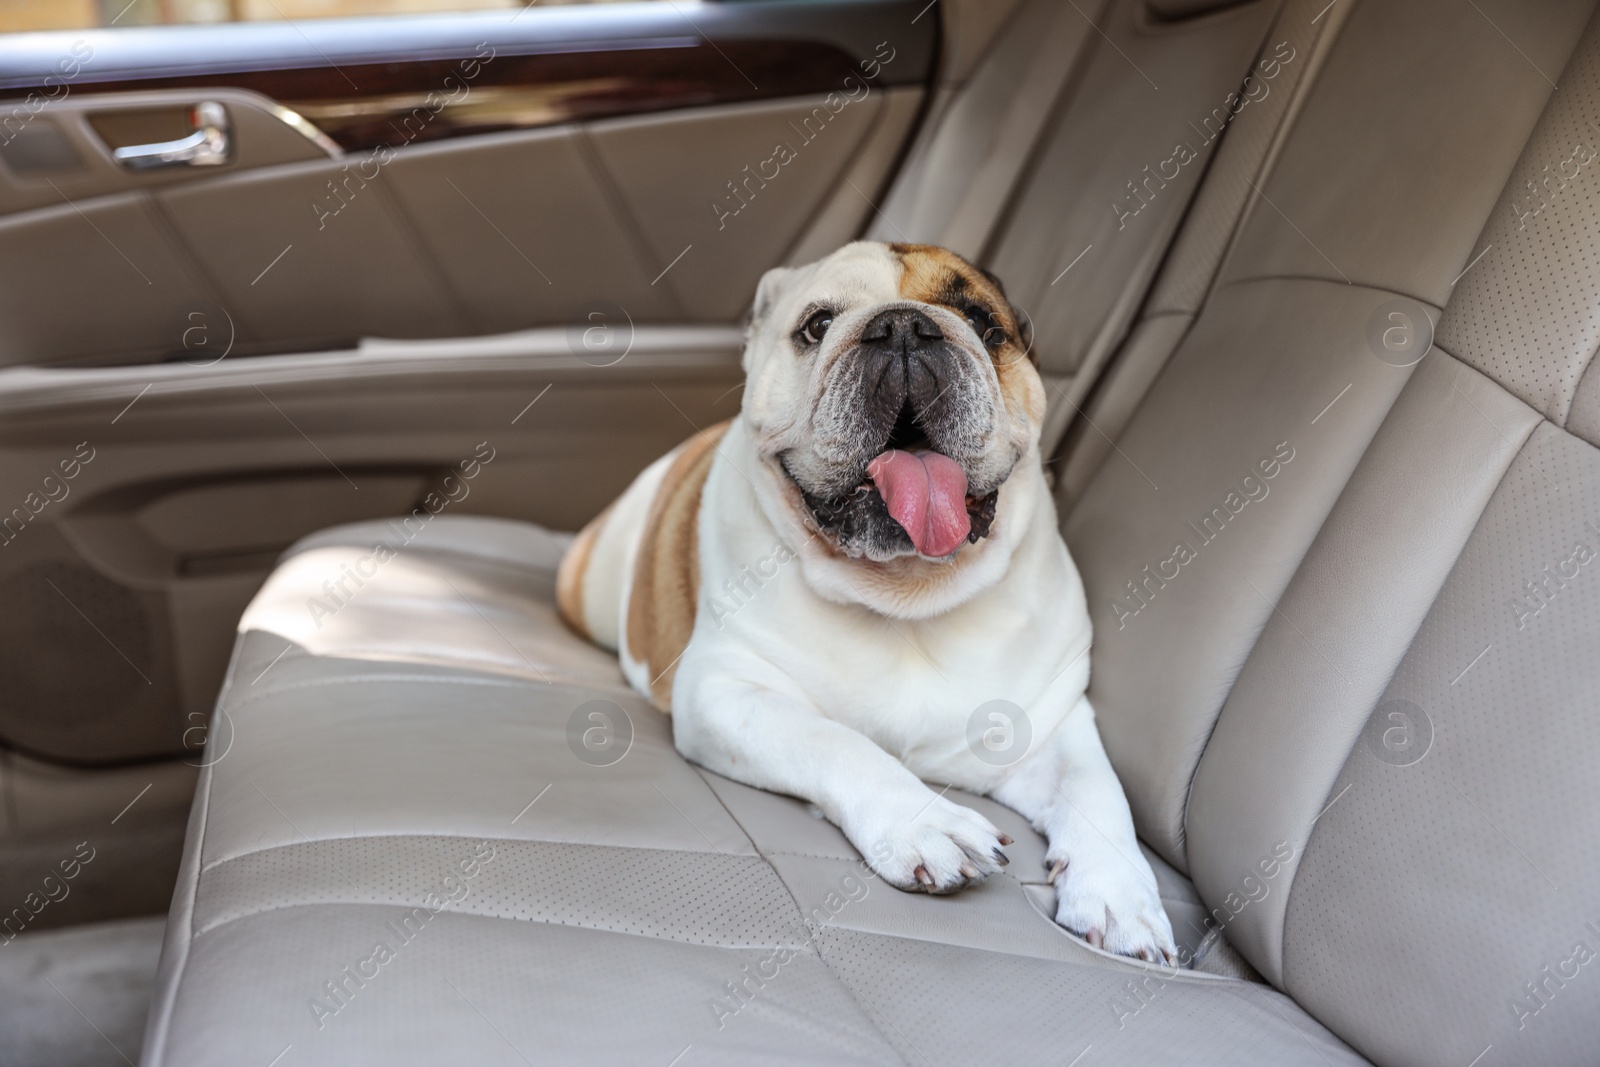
{"x":927,"y":495}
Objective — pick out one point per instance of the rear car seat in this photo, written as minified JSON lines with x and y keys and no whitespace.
{"x":412,"y":846}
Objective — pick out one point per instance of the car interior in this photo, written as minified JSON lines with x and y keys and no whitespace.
{"x":324,"y":326}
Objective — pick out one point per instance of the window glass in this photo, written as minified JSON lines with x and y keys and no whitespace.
{"x":16,"y":15}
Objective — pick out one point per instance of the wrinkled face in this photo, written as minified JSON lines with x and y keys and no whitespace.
{"x":891,"y":393}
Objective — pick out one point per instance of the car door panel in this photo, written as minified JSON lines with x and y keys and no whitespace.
{"x":513,"y":268}
{"x":216,"y":335}
{"x":69,"y":293}
{"x":161,"y":544}
{"x":92,"y":126}
{"x":289,"y":280}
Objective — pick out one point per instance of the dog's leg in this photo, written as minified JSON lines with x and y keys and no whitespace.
{"x":913,"y":837}
{"x":1105,"y":890}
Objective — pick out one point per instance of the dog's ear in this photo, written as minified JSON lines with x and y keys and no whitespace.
{"x":767,"y":292}
{"x":1024,"y":323}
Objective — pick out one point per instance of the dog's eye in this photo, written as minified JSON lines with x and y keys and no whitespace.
{"x":816,"y":326}
{"x":990,"y":332}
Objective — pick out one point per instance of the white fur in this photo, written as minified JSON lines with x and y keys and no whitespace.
{"x":828,"y":681}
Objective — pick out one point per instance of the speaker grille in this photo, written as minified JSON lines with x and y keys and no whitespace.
{"x":79,"y":671}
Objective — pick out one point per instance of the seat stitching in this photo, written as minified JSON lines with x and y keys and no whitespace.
{"x":815,"y":941}
{"x":168,"y":993}
{"x":868,"y":1009}
{"x":502,"y":562}
{"x":1194,"y":772}
{"x":750,"y":860}
{"x":1516,"y":451}
{"x":219,"y":864}
{"x":1566,"y":410}
{"x":742,"y":829}
{"x":1294,"y":573}
{"x":1255,"y":279}
{"x":312,"y":683}
{"x":812,"y":855}
{"x":549,"y":671}
{"x":479,"y":915}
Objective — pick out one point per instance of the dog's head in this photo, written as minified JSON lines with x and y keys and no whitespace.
{"x":891,"y":396}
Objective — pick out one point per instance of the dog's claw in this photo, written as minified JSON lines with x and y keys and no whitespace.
{"x":1055,"y":871}
{"x":969,"y":871}
{"x":1005,"y":839}
{"x":923,"y":876}
{"x":1096,"y":938}
{"x":1000,"y":857}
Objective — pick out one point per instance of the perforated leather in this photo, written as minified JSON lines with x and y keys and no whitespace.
{"x":1527,"y":313}
{"x":679,"y":895}
{"x":1408,"y":880}
{"x":358,"y":788}
{"x":1384,"y":664}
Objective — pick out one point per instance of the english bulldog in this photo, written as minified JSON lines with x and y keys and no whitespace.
{"x":857,"y":585}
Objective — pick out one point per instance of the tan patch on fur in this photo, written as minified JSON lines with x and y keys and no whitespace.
{"x":666,"y":573}
{"x":928,"y":269}
{"x":574,"y":567}
{"x":935,"y":275}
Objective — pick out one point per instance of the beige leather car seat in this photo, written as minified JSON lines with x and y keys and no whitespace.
{"x":1359,"y":712}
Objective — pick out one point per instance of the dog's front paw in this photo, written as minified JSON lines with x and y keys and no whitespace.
{"x":1111,"y":902}
{"x":940,"y":849}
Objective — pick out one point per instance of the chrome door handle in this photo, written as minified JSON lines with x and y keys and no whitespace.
{"x":208,"y":146}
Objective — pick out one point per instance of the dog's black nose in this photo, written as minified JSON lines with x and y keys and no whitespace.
{"x":900,"y":330}
{"x":905,"y":366}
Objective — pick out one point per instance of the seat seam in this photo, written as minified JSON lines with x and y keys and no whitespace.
{"x":1259,"y":995}
{"x":1205,"y":745}
{"x":494,"y":918}
{"x":1258,"y":278}
{"x":539,"y":570}
{"x":312,"y":683}
{"x":814,"y":940}
{"x":1124,"y":965}
{"x":868,"y":1009}
{"x":308,"y":841}
{"x":747,"y":835}
{"x":1516,"y":451}
{"x":1577,"y":384}
{"x":550,"y":671}
{"x":169,"y":994}
{"x":182,"y":967}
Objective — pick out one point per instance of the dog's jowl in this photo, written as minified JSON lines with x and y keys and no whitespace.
{"x":827,"y":589}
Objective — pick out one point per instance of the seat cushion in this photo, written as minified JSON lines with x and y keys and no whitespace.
{"x":413,"y":847}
